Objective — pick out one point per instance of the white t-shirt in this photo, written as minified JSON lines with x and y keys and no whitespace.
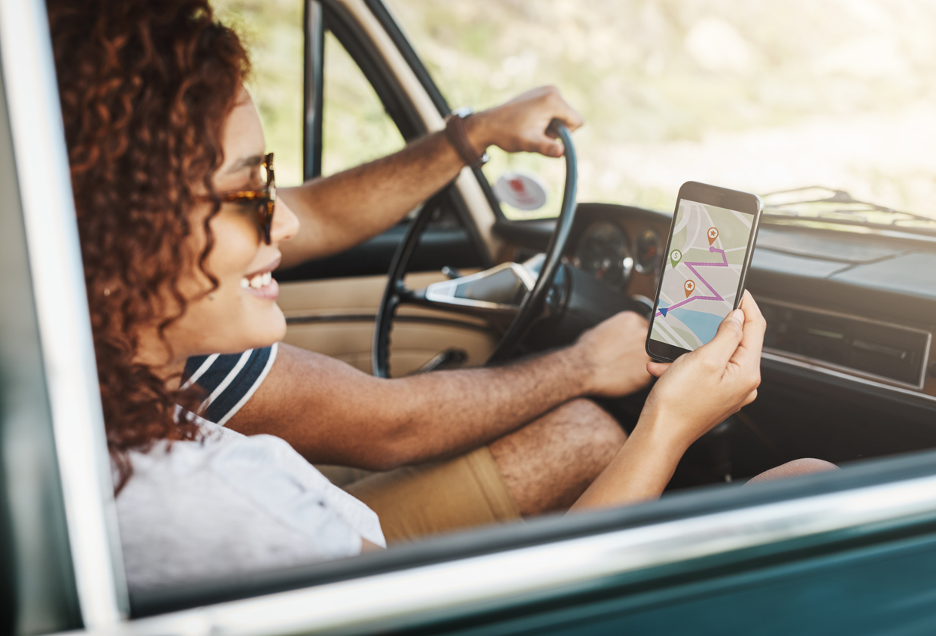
{"x":229,"y":506}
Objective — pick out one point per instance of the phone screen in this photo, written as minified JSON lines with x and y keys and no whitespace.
{"x":701,"y":274}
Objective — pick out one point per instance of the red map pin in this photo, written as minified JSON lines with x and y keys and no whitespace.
{"x":712,"y":235}
{"x":689,"y":287}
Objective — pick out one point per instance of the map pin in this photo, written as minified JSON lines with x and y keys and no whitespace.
{"x":689,"y":287}
{"x":712,"y":235}
{"x":675,"y":256}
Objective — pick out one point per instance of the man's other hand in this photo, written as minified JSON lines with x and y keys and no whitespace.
{"x":614,"y":355}
{"x":520,"y":124}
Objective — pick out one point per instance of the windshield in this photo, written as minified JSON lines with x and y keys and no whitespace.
{"x":761,"y":95}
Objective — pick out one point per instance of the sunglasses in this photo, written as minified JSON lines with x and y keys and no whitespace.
{"x":265,"y":198}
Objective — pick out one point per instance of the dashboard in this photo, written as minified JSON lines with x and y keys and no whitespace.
{"x":623,"y":250}
{"x":606,"y":250}
{"x":839,"y":300}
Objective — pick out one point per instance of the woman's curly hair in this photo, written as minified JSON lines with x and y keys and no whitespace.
{"x":145,"y":87}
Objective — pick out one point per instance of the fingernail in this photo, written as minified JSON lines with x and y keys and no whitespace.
{"x":738,"y":316}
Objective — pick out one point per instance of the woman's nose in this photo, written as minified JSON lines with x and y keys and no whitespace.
{"x":285,"y":223}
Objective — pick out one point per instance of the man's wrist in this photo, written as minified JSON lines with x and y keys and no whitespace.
{"x":456,"y":131}
{"x":579,"y":371}
{"x":478,"y":131}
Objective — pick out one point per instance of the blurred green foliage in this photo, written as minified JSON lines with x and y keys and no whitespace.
{"x":355,"y":126}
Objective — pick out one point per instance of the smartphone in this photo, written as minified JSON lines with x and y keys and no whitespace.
{"x":708,"y":253}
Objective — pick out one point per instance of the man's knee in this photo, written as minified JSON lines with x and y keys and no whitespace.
{"x":593,"y":427}
{"x":547,"y":464}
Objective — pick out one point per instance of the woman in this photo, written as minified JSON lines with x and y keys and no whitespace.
{"x":160,"y":130}
{"x":180,"y":230}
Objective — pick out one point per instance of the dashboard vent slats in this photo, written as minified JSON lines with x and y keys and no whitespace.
{"x":865,"y":347}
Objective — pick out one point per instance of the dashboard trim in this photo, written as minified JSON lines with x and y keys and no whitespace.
{"x":843,"y":371}
{"x":803,"y":364}
{"x":827,"y":225}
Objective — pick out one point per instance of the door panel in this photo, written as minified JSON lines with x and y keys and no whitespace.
{"x":336,"y":318}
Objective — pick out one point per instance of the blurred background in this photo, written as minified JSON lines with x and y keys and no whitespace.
{"x":757,"y":95}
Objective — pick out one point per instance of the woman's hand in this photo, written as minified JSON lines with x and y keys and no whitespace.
{"x":693,"y":394}
{"x":702,"y":388}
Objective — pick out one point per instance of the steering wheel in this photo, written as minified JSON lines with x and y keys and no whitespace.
{"x":445,"y":295}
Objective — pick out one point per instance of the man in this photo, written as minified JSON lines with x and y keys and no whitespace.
{"x":455,"y":448}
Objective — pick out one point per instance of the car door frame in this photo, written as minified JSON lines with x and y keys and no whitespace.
{"x":416,"y":107}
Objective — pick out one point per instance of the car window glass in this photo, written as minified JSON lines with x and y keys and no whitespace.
{"x":355,"y":127}
{"x":762,"y":96}
{"x":272,"y":30}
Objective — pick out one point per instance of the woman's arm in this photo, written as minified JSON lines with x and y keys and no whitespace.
{"x":693,"y":394}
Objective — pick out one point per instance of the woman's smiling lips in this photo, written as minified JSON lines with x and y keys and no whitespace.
{"x":261,"y":283}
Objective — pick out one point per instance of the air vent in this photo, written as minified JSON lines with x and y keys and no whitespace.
{"x":865,"y":347}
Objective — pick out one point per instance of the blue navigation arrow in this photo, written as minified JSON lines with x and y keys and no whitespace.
{"x":663,"y":311}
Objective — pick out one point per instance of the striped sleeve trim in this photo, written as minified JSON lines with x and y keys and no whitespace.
{"x":229,"y":380}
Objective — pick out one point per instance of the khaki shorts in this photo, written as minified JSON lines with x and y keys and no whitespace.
{"x":419,"y":501}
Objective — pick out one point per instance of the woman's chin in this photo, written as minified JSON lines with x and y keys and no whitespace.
{"x":230,"y":329}
{"x":262,"y":330}
{"x":274,"y":329}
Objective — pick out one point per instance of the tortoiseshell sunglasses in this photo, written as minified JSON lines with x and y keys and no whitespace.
{"x":265,"y":198}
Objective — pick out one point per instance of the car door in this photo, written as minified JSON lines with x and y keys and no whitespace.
{"x":357,"y":108}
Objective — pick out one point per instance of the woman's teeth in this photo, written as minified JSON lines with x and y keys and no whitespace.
{"x":257,"y":281}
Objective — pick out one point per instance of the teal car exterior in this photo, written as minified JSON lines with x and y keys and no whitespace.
{"x":847,"y":552}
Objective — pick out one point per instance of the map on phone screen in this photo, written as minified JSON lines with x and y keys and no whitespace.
{"x":701,"y":273}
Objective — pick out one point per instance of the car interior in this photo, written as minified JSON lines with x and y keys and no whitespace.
{"x":847,"y":288}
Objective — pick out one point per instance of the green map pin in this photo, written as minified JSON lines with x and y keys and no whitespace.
{"x":674,"y":257}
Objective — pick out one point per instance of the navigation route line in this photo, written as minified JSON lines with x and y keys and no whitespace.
{"x":662,"y":311}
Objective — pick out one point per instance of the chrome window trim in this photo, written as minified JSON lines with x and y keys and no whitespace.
{"x":386,"y":600}
{"x":62,"y":310}
{"x":817,"y":364}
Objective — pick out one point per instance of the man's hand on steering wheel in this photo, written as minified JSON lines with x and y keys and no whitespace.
{"x":520,"y":125}
{"x":613,"y":355}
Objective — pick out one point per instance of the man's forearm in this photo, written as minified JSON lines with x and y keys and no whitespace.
{"x":446,"y":413}
{"x":342,"y":210}
{"x":333,"y":413}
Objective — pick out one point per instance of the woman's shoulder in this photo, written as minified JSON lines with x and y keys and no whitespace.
{"x":225,"y":452}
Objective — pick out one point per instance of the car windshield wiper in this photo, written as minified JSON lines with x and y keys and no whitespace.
{"x":819,"y":203}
